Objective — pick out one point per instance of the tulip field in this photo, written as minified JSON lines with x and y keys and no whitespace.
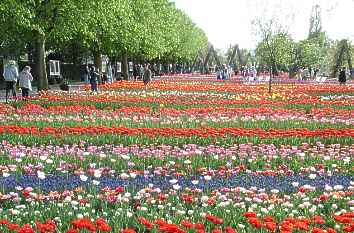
{"x":183,"y":155}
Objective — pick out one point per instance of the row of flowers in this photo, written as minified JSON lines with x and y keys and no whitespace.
{"x":203,"y":132}
{"x":166,"y":116}
{"x":150,"y":208}
{"x":189,"y":160}
{"x":193,"y":85}
{"x":151,"y":121}
{"x":268,"y":223}
{"x":191,"y":112}
{"x":275,"y":99}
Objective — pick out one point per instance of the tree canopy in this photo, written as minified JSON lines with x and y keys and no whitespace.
{"x":276,"y":50}
{"x":140,"y":29}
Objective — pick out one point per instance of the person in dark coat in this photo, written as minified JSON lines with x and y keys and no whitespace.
{"x":342,"y":76}
{"x":147,"y":75}
{"x":135,"y":72}
{"x":94,"y":78}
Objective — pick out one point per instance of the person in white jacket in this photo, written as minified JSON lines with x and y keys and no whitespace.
{"x":25,"y":81}
{"x":10,"y":76}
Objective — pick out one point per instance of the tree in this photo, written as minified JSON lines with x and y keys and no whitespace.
{"x":312,"y":51}
{"x":39,"y":21}
{"x":276,"y":51}
{"x":309,"y":54}
{"x":315,"y":22}
{"x":343,"y":55}
{"x":271,"y":26}
{"x":186,"y":39}
{"x":103,"y":27}
{"x":276,"y":48}
{"x":140,"y":29}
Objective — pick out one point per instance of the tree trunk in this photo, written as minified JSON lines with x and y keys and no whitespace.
{"x":125,"y":69}
{"x":174,"y":68}
{"x":216,"y":57}
{"x":30,"y":51}
{"x":97,"y":57}
{"x":75,"y":54}
{"x":275,"y":69}
{"x":239,"y":55}
{"x":231,"y":59}
{"x":40,"y":64}
{"x":270,"y":80}
{"x":205,"y":63}
{"x":339,"y":57}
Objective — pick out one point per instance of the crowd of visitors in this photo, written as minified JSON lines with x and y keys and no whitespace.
{"x":305,"y":73}
{"x":224,"y":73}
{"x":93,"y":76}
{"x":249,"y":74}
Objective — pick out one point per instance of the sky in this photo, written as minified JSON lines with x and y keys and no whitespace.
{"x":229,"y":22}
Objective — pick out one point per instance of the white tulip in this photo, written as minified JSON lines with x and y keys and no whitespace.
{"x":41,"y":175}
{"x":83,"y":178}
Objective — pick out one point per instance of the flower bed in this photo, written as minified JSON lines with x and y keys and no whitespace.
{"x":183,"y":156}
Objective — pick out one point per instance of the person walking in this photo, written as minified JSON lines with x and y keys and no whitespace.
{"x":316,"y":72}
{"x":306,"y":74}
{"x":342,"y":76}
{"x":141,"y":72}
{"x":147,"y":75}
{"x":225,"y":72}
{"x":10,"y":76}
{"x":109,"y":73}
{"x":131,"y":70}
{"x":86,"y":74}
{"x":300,"y":75}
{"x":25,"y":78}
{"x":218,"y":73}
{"x":94,"y":75}
{"x":136,"y":72}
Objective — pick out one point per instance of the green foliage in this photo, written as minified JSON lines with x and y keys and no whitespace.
{"x":184,"y":40}
{"x":312,"y":52}
{"x":309,"y":53}
{"x":280,"y":49}
{"x":145,"y":29}
{"x":28,"y":19}
{"x":276,"y":50}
